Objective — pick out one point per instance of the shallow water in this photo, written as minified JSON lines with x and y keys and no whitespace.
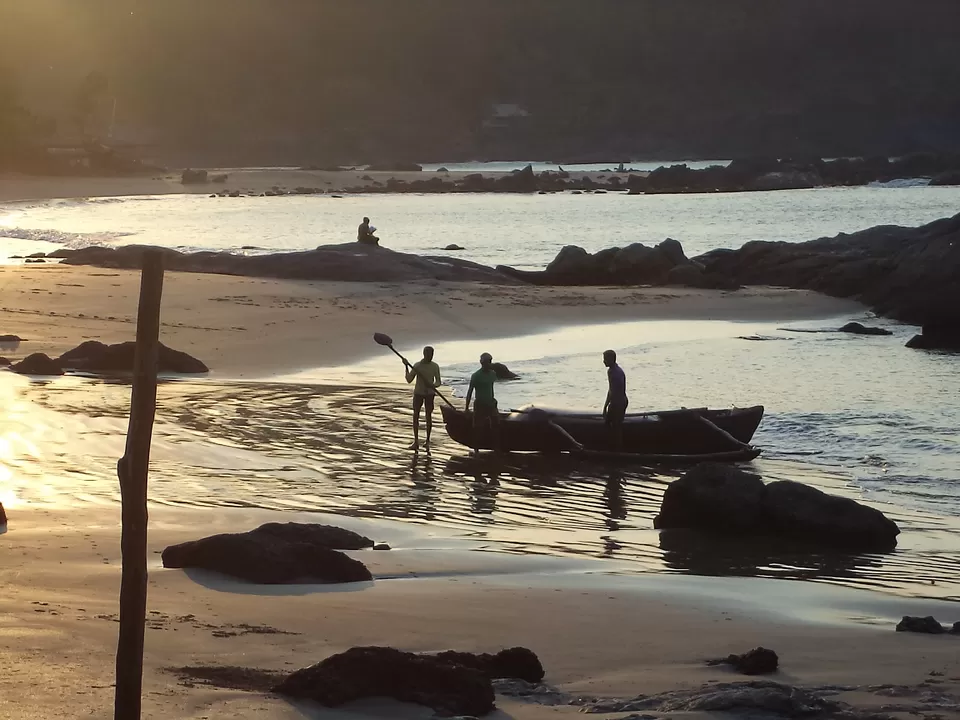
{"x":526,"y":231}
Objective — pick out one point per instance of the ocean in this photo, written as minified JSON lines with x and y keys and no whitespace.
{"x":861,"y":416}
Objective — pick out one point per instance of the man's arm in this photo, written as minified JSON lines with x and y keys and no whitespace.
{"x":436,"y":379}
{"x":469,"y":393}
{"x":411,"y":372}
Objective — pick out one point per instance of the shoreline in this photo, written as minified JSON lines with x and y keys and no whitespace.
{"x":254,"y":327}
{"x":621,"y":636}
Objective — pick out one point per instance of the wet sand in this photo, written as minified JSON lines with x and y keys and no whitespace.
{"x":253,"y":327}
{"x":596,"y":634}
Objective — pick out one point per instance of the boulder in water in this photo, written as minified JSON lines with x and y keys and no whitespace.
{"x":38,"y":364}
{"x":928,"y":625}
{"x":936,"y":336}
{"x":713,"y":496}
{"x":856,"y":328}
{"x":454,"y":246}
{"x":276,"y":553}
{"x":95,"y":356}
{"x":503,"y":372}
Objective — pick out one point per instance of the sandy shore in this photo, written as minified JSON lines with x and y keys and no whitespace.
{"x":14,"y":188}
{"x":596,"y":634}
{"x":252,"y":327}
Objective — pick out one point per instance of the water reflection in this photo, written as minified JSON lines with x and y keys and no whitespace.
{"x":343,"y":450}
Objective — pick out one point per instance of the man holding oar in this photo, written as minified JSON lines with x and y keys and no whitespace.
{"x":427,"y":374}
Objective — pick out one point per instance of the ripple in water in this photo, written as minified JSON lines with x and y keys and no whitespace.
{"x":342,"y":451}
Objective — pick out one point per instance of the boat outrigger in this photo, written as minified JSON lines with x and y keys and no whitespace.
{"x":685,"y":435}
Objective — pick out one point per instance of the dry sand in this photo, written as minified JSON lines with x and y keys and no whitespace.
{"x":252,"y":327}
{"x":596,"y":635}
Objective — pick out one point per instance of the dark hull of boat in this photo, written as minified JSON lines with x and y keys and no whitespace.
{"x":666,"y":436}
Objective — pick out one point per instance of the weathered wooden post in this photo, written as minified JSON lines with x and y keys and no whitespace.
{"x":132,"y":471}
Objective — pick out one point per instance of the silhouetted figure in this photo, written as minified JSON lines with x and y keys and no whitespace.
{"x":485,"y":410}
{"x":615,"y":407}
{"x":365,"y":233}
{"x":427,"y":374}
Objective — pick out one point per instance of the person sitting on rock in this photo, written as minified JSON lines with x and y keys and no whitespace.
{"x":365,"y":233}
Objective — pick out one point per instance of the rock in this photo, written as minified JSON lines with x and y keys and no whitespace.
{"x":193,"y":177}
{"x":442,"y":170}
{"x":858,"y":329}
{"x":34,"y":256}
{"x":794,"y":509}
{"x":10,"y":339}
{"x":713,"y":496}
{"x":572,"y":260}
{"x":395,"y":167}
{"x":721,"y":498}
{"x":927,"y":624}
{"x":937,"y":337}
{"x":950,"y":177}
{"x":955,"y":630}
{"x":219,"y":178}
{"x":454,"y":246}
{"x":4,"y":362}
{"x":94,"y":356}
{"x":518,"y":662}
{"x":381,"y":546}
{"x":385,"y":672}
{"x":3,"y":515}
{"x":759,"y":661}
{"x":38,"y":364}
{"x":276,"y":553}
{"x":785,"y":181}
{"x":905,"y":273}
{"x":34,"y":260}
{"x":503,"y":372}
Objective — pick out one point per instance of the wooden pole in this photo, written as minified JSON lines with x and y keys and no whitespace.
{"x":132,"y":470}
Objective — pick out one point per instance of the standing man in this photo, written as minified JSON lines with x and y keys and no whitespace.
{"x":485,"y":410}
{"x":427,"y":374}
{"x":615,"y":407}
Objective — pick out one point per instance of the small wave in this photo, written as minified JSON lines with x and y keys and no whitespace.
{"x":901,"y":183}
{"x":68,"y":239}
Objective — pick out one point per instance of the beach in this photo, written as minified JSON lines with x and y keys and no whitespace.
{"x":304,"y":418}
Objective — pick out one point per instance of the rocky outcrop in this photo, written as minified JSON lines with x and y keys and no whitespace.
{"x":3,"y":515}
{"x":450,"y":683}
{"x":937,"y":337}
{"x":276,"y":553}
{"x":724,"y":499}
{"x":636,"y":264}
{"x":94,"y":356}
{"x":503,"y":372}
{"x":759,"y":661}
{"x":928,"y":624}
{"x":911,"y":274}
{"x":4,"y":362}
{"x":951,"y":177}
{"x":38,"y":364}
{"x":11,"y":339}
{"x":447,"y":688}
{"x":348,"y":262}
{"x":855,"y":328}
{"x":193,"y":177}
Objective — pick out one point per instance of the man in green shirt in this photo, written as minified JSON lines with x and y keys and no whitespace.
{"x":427,"y":374}
{"x":485,"y":410}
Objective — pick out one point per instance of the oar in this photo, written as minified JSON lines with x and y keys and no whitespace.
{"x":387,"y":341}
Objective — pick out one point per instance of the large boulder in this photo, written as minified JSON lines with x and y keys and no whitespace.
{"x":797,"y":510}
{"x":516,"y":662}
{"x":713,"y":496}
{"x":95,"y":356}
{"x":937,"y":337}
{"x":276,"y":553}
{"x":38,"y":364}
{"x":855,"y":328}
{"x":362,"y":672}
{"x":724,"y":499}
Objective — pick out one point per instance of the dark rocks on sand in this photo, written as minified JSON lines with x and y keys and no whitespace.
{"x":10,"y":339}
{"x":193,"y":177}
{"x":276,"y":553}
{"x":518,"y":662}
{"x":955,"y":630}
{"x":927,"y":624}
{"x":4,"y":362}
{"x":448,"y":689}
{"x":454,"y":246}
{"x":936,"y":336}
{"x":721,"y":498}
{"x":38,"y":364}
{"x":503,"y":372}
{"x":759,"y":661}
{"x":95,"y":356}
{"x":858,"y":329}
{"x":381,"y":546}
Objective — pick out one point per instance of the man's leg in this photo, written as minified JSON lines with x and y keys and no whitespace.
{"x":417,"y":404}
{"x":428,"y":407}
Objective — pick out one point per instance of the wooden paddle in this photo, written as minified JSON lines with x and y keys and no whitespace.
{"x":387,"y":341}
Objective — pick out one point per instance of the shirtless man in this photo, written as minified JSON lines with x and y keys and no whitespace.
{"x":615,"y":406}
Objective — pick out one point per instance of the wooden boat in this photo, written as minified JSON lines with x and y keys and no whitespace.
{"x":686,"y":435}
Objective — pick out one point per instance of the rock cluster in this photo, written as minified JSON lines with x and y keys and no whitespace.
{"x":928,"y":624}
{"x":451,"y":683}
{"x":759,"y":661}
{"x":97,"y":357}
{"x":723,"y":499}
{"x":276,"y":553}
